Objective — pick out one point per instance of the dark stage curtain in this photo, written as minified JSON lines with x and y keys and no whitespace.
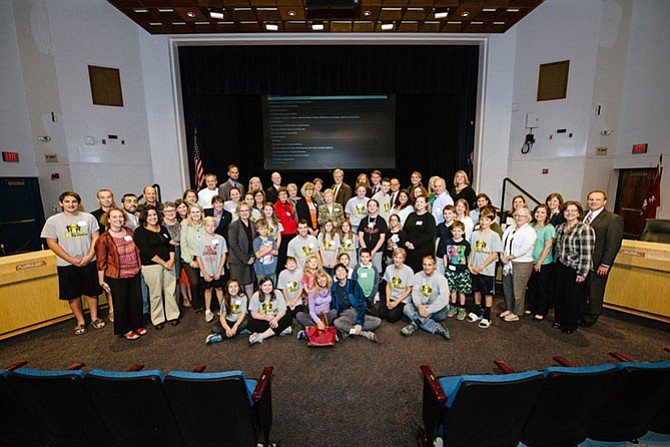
{"x":435,"y":88}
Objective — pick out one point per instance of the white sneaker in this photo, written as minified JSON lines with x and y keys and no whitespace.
{"x":287,"y":331}
{"x":256,"y":337}
{"x":473,"y":317}
{"x":484,"y":323}
{"x":209,"y":316}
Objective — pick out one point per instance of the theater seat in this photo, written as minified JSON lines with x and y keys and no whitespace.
{"x":133,"y":407}
{"x":478,"y":410}
{"x":59,"y":403}
{"x":639,"y":392}
{"x":17,"y":427}
{"x":562,"y":413}
{"x":656,"y":230}
{"x":221,"y":409}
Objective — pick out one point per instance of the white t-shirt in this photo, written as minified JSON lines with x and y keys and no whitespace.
{"x":73,"y":234}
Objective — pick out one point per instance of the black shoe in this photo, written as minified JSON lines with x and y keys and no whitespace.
{"x":567,"y":331}
{"x":555,"y":326}
{"x":586,"y":323}
{"x":159,"y":326}
{"x":174,"y":322}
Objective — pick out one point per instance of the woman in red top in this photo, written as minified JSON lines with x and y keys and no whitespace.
{"x":286,"y":216}
{"x":118,"y":262}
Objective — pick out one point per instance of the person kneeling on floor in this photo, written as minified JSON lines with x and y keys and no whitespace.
{"x":430,"y":295}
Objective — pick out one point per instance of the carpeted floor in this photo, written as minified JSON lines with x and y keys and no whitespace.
{"x":357,"y":393}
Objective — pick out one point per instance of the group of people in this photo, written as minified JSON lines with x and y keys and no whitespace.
{"x":337,"y":255}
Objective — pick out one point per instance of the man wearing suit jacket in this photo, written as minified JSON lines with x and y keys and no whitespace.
{"x":232,"y":182}
{"x":609,"y":233}
{"x":341,"y":190}
{"x":271,"y":192}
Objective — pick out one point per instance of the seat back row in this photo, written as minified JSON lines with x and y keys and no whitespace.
{"x":560,"y":406}
{"x":104,"y":408}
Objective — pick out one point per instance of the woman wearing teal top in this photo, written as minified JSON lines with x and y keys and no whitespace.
{"x":541,"y":279}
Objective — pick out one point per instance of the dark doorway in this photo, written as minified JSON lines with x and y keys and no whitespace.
{"x":633,"y":188}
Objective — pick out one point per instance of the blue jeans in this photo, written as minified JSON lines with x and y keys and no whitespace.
{"x":429,"y":323}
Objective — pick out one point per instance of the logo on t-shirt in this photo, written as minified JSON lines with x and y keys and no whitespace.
{"x":75,"y":229}
{"x":307,"y":250}
{"x":348,"y":244}
{"x":328,"y":245}
{"x":360,"y":209}
{"x":426,"y":290}
{"x":482,"y":247}
{"x":456,"y":254}
{"x":396,"y":283}
{"x":235,"y":306}
{"x":292,"y":286}
{"x":268,"y":308}
{"x":387,"y":207}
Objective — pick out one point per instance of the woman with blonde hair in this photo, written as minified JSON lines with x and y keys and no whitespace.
{"x":307,"y":209}
{"x":255,"y":184}
{"x":463,"y":190}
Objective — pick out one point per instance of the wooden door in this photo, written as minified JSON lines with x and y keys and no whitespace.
{"x":633,"y":189}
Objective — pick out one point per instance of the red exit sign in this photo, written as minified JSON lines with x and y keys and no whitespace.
{"x":640,"y":148}
{"x":12,"y":157}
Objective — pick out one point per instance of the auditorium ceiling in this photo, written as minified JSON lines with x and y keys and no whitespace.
{"x":325,"y":16}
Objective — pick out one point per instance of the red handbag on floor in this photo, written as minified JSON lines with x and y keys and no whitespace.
{"x":321,"y":337}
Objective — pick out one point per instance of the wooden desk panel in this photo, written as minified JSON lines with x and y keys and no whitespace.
{"x":29,"y":293}
{"x":639,"y":281}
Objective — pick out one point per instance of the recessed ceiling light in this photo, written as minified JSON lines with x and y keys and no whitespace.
{"x":292,"y":13}
{"x":317,"y":26}
{"x":391,"y":9}
{"x":415,"y":9}
{"x":155,"y":23}
{"x":165,"y":10}
{"x":202,"y":23}
{"x":465,"y":13}
{"x":179,"y":23}
{"x":266,"y":9}
{"x":387,"y":26}
{"x":216,"y":13}
{"x":454,"y":22}
{"x":440,"y":13}
{"x":191,"y":14}
{"x":498,"y":23}
{"x":367,"y":13}
{"x":489,"y":10}
{"x":271,"y":27}
{"x":141,"y":10}
{"x":512,"y":9}
{"x":476,"y":23}
{"x":242,"y":9}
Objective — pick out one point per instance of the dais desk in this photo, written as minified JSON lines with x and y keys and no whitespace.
{"x":29,"y":293}
{"x":639,"y":281}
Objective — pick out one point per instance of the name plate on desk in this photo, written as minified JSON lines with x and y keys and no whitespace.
{"x":30,"y":265}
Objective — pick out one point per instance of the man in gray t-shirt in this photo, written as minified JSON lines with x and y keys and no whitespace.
{"x":430,"y":296}
{"x":303,"y":245}
{"x":71,"y":235}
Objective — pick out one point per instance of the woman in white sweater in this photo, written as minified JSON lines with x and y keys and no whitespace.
{"x":517,"y":259}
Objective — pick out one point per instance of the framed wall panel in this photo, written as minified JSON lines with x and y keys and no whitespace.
{"x":105,"y":86}
{"x":553,"y":81}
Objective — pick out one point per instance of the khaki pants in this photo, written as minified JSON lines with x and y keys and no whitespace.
{"x":162,"y":299}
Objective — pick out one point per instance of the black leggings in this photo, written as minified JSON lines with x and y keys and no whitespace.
{"x":127,"y":299}
{"x":391,"y":315}
{"x":261,"y":326}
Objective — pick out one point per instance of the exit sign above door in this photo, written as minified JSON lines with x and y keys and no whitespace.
{"x":640,"y":148}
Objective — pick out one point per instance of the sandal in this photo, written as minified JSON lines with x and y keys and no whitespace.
{"x":98,"y":323}
{"x":140,"y":331}
{"x":132,"y":335}
{"x":80,"y":329}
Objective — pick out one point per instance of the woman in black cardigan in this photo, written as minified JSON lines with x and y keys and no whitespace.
{"x":307,"y":209}
{"x":420,"y":230}
{"x":241,"y":256}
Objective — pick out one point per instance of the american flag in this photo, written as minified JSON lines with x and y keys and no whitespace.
{"x":197,"y":163}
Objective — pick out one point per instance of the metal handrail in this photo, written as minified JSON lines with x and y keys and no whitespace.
{"x":517,"y":186}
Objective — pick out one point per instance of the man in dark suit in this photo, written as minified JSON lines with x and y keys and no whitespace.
{"x":341,"y":190}
{"x":232,"y":182}
{"x":609,"y":233}
{"x":271,"y":192}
